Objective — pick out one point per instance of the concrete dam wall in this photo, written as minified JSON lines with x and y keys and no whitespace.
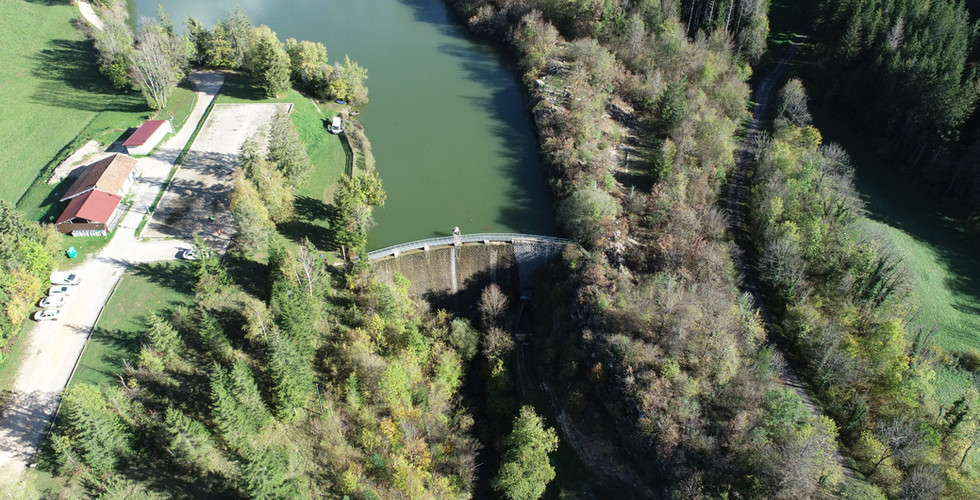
{"x":453,"y":276}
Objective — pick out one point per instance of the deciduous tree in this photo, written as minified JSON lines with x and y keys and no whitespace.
{"x":157,"y":64}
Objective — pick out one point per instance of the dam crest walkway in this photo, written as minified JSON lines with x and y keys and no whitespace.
{"x":485,"y":238}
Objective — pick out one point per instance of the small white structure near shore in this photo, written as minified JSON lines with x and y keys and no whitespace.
{"x":150,"y":133}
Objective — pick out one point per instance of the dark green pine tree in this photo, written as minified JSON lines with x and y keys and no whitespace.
{"x":266,"y":474}
{"x":95,"y":428}
{"x":291,"y":374}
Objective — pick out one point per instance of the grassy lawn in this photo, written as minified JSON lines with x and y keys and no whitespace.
{"x":118,"y":335}
{"x":84,"y":245}
{"x":941,"y":252}
{"x":179,"y":106}
{"x":51,"y":93}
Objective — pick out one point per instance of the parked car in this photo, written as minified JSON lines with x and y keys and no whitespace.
{"x":47,"y":315}
{"x":52,"y":301}
{"x":335,"y":126}
{"x":59,"y":290}
{"x":189,"y":254}
{"x":65,"y":279}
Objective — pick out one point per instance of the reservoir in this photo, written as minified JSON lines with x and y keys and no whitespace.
{"x":453,"y":142}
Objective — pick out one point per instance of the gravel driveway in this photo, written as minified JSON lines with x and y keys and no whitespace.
{"x":198,"y":198}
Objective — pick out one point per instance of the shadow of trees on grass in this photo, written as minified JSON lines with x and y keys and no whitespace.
{"x":313,"y":221}
{"x":178,"y":277}
{"x":70,"y":78}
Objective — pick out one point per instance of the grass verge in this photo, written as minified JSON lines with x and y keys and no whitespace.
{"x":323,"y":148}
{"x":150,"y":288}
{"x":179,"y":106}
{"x":173,"y":170}
{"x":13,"y":357}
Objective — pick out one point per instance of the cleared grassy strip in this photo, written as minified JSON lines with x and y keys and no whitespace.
{"x":176,"y":166}
{"x":12,"y":357}
{"x":151,"y":288}
{"x":941,"y":253}
{"x":51,"y":92}
{"x":179,"y":106}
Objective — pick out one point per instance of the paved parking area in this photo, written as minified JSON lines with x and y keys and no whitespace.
{"x":198,"y":198}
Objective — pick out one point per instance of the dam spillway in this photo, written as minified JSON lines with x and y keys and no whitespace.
{"x":455,"y":269}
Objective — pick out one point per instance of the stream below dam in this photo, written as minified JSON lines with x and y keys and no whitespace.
{"x":453,"y":142}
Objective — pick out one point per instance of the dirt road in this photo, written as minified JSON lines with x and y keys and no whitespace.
{"x":738,"y":197}
{"x":55,"y":346}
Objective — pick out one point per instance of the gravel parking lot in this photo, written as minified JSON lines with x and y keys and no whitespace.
{"x":198,"y":198}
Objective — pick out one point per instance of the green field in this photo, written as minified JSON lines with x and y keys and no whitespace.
{"x":118,"y":335}
{"x":941,"y":252}
{"x":51,"y":91}
{"x":179,"y":106}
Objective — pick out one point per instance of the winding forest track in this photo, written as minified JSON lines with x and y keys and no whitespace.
{"x":738,"y":197}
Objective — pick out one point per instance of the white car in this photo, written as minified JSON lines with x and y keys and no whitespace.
{"x":335,"y":127}
{"x":189,"y":254}
{"x":65,"y":279}
{"x":59,"y":290}
{"x":47,"y":315}
{"x":52,"y":301}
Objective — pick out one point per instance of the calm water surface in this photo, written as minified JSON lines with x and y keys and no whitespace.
{"x":453,"y":143}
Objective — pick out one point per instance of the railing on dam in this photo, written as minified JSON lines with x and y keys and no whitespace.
{"x":466,"y":238}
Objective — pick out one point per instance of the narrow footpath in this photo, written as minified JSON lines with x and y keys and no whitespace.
{"x":738,"y":197}
{"x":85,"y":8}
{"x":56,"y":346}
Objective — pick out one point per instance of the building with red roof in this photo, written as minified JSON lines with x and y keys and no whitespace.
{"x":90,"y":211}
{"x":150,"y":133}
{"x":112,"y":174}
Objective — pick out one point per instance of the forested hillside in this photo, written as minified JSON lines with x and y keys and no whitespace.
{"x":26,"y":260}
{"x":907,"y":72}
{"x":841,"y":294}
{"x":313,"y":388}
{"x":290,"y":378}
{"x":645,"y":341}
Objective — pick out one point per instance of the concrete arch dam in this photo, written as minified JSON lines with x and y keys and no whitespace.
{"x":448,"y":269}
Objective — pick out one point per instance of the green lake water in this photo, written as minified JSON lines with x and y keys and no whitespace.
{"x":453,"y":142}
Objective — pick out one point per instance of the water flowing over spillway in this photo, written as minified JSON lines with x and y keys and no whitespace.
{"x":453,"y":142}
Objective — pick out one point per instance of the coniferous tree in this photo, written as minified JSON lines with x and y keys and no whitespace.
{"x":268,"y":62}
{"x":292,"y":375}
{"x":525,"y":470}
{"x":94,"y":428}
